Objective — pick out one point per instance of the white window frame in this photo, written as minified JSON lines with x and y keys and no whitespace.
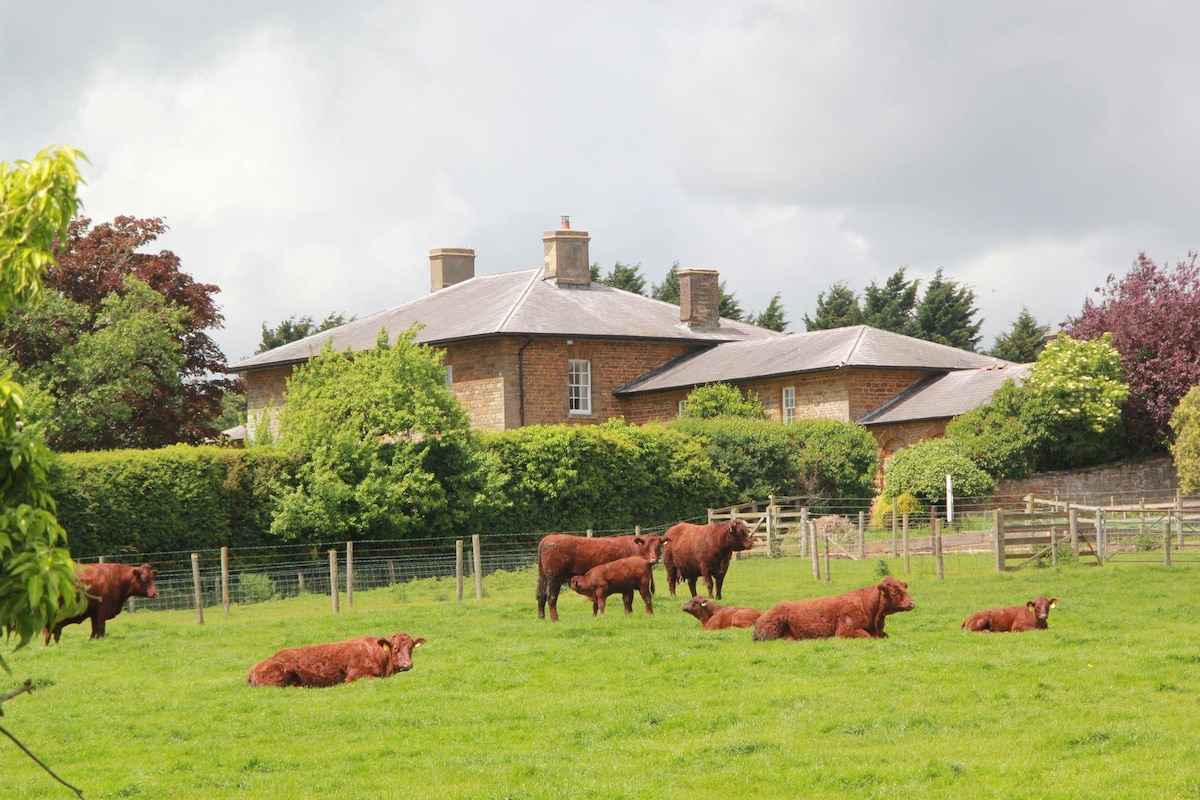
{"x":789,"y":404}
{"x":450,"y":377}
{"x":579,"y":387}
{"x":682,"y":408}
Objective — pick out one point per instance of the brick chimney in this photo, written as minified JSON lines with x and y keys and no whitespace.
{"x":699,"y":298}
{"x":450,"y":265}
{"x":567,"y":256}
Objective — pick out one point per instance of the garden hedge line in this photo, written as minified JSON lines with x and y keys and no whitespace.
{"x":550,"y":478}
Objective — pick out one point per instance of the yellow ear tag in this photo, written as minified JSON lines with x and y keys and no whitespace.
{"x":385,"y":644}
{"x":1054,"y":605}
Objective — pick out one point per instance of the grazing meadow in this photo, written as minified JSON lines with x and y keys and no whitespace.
{"x":500,"y":704}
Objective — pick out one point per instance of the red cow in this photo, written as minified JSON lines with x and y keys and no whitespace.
{"x":703,"y":551}
{"x":859,"y":613}
{"x":1033,"y":615}
{"x":714,"y":617}
{"x":108,"y":586}
{"x":562,"y":556}
{"x":338,"y":662}
{"x":623,"y":577}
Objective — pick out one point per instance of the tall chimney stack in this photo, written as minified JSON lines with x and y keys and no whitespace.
{"x":567,"y":256}
{"x":450,"y":265}
{"x":699,"y":298}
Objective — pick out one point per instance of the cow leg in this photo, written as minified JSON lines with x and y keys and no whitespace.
{"x":691,"y":582}
{"x":646,"y":599}
{"x":98,"y":627}
{"x":598,"y":604}
{"x":627,"y":598}
{"x":552,"y":598}
{"x":720,"y":579}
{"x":541,"y":597}
{"x":672,"y":579}
{"x":708,"y":581}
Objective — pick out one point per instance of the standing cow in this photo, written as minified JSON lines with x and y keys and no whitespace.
{"x":623,"y":576}
{"x":562,"y":556}
{"x":715,"y":617}
{"x":108,"y":586}
{"x":338,"y":662}
{"x":859,"y":613}
{"x":703,"y":551}
{"x":1034,"y":615}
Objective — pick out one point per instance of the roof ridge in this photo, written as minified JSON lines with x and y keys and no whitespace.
{"x":858,"y":339}
{"x":516,"y":306}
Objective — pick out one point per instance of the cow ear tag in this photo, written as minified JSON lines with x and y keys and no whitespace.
{"x":385,"y":644}
{"x":1054,"y":604}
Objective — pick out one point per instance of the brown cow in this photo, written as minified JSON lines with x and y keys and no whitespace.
{"x":337,"y":662}
{"x":108,"y":586}
{"x":859,"y":613}
{"x":703,"y":551}
{"x":714,"y":617}
{"x":623,"y":576}
{"x":562,"y":556}
{"x":1031,"y":616}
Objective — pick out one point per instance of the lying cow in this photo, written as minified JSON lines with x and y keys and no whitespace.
{"x":714,"y":617}
{"x":623,"y":576}
{"x":107,"y":586}
{"x":562,"y":556}
{"x":859,"y":613}
{"x":338,"y":662}
{"x":1031,"y":616}
{"x":703,"y":551}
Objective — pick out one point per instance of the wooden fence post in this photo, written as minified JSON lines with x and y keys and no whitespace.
{"x":458,"y":567}
{"x":1101,"y":536}
{"x":895,"y":524}
{"x":1167,"y":542}
{"x":391,"y":572}
{"x":225,"y":579}
{"x":772,"y":545}
{"x":478,"y":559}
{"x":333,"y":580}
{"x":1054,"y":547}
{"x":999,"y":540}
{"x":816,"y":555}
{"x":300,"y":582}
{"x":589,"y":535}
{"x":803,"y":531}
{"x":350,"y":574}
{"x":827,"y":576}
{"x":1073,"y":527}
{"x":1029,"y":504}
{"x":907,"y":563}
{"x":862,"y":535}
{"x":937,"y":546}
{"x":198,"y":594}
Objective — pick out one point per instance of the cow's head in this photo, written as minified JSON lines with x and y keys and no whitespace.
{"x":579,"y":584}
{"x":143,"y":581}
{"x":401,"y":646}
{"x":894,"y":594}
{"x":650,"y":546}
{"x":697,"y":607}
{"x":739,"y":535}
{"x":1041,"y":610}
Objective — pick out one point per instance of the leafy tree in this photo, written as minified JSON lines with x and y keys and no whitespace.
{"x":946,"y":314}
{"x":391,"y":453}
{"x":1023,"y":341}
{"x":293,"y":329}
{"x":892,"y":307}
{"x":37,"y":576}
{"x":1066,"y":415}
{"x":837,"y":308}
{"x":921,"y":470}
{"x":722,"y":400}
{"x":772,"y":317}
{"x":93,"y":264}
{"x":1153,"y":314}
{"x":623,"y":276}
{"x":1185,"y":424}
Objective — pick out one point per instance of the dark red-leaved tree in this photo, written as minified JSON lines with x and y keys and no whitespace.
{"x":93,"y":262}
{"x":1153,"y":313}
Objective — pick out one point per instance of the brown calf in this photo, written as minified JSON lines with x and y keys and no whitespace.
{"x":1031,"y":616}
{"x":623,"y":577}
{"x":562,"y":556}
{"x":859,"y":613}
{"x":714,"y":617}
{"x":703,"y":551}
{"x":337,"y":662}
{"x":108,"y":586}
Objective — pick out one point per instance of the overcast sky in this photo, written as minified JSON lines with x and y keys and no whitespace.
{"x":308,"y":155}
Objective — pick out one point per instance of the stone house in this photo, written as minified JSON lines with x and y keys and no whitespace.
{"x":546,"y":345}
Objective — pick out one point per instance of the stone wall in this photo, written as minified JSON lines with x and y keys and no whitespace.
{"x":1152,"y":480}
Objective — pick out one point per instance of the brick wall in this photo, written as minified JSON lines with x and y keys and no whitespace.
{"x":264,"y":398}
{"x":1154,"y":479}
{"x":870,"y":389}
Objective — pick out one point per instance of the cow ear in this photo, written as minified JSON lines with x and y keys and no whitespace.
{"x":1054,"y":602}
{"x":639,"y":540}
{"x":1031,"y":604}
{"x":419,"y":642}
{"x":386,"y":644}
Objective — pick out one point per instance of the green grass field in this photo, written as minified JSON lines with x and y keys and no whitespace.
{"x":503,"y":705}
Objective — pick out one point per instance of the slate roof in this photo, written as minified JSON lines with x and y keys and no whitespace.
{"x":514,"y":303}
{"x":797,"y":353}
{"x":945,"y":396}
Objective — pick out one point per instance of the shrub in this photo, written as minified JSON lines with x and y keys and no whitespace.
{"x":1185,"y":423}
{"x":722,"y":400}
{"x":256,"y":588}
{"x":921,"y":471}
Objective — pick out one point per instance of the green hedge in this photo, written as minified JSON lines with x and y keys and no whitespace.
{"x":175,"y":498}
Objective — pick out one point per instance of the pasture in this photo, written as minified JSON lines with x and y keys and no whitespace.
{"x":500,"y":704}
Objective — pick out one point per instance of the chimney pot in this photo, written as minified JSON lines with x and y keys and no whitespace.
{"x":564,"y":222}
